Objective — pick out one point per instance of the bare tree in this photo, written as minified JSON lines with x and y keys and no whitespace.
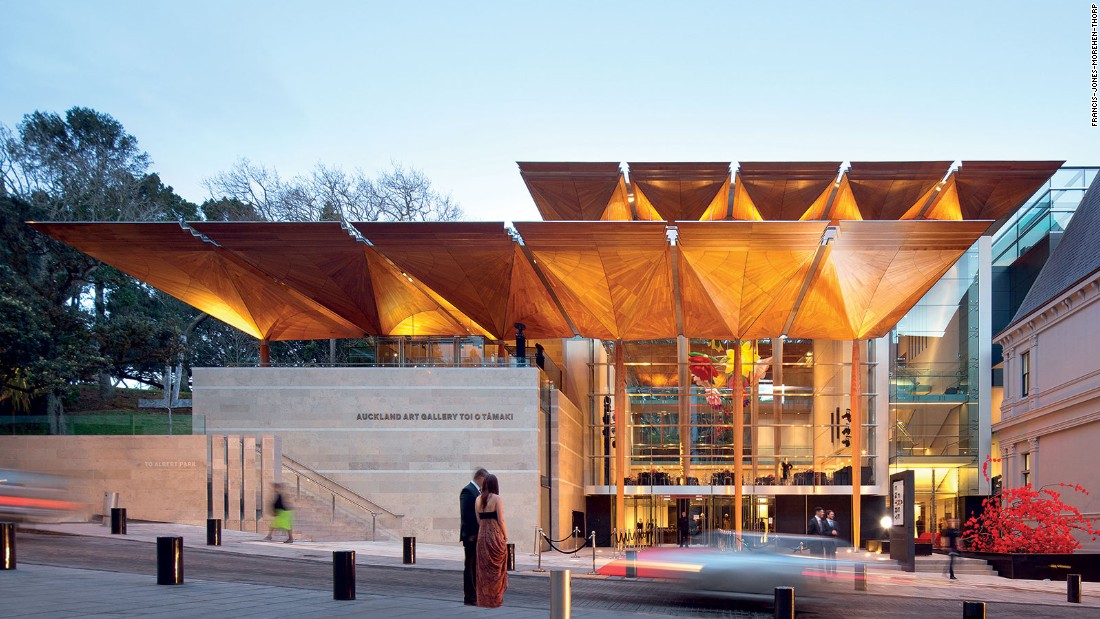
{"x":343,"y":195}
{"x":329,"y":193}
{"x":406,"y":194}
{"x":255,"y":185}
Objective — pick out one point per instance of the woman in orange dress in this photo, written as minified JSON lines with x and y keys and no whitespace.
{"x":492,"y":545}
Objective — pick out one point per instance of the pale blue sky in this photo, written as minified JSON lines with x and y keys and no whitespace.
{"x":462,"y":90}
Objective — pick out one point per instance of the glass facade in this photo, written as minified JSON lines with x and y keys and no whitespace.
{"x":796,"y":425}
{"x":1048,"y":211}
{"x":934,"y":393}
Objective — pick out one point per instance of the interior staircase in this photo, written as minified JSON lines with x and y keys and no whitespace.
{"x":325,"y":511}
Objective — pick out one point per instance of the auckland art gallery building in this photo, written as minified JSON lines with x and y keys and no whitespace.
{"x":743,"y":345}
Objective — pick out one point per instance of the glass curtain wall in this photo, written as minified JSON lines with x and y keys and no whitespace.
{"x":796,"y":414}
{"x":934,"y":393}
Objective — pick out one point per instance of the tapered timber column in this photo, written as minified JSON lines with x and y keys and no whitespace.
{"x":857,"y":439}
{"x":738,"y":437}
{"x":265,"y":354}
{"x":620,"y":437}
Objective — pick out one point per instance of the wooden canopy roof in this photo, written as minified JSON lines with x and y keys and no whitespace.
{"x":783,"y":191}
{"x":856,"y":252}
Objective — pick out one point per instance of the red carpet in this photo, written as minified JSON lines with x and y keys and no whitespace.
{"x":656,"y":563}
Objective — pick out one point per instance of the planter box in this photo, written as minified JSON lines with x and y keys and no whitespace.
{"x":1042,"y":566}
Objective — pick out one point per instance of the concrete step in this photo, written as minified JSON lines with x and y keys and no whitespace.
{"x":938,"y":564}
{"x":315,"y":521}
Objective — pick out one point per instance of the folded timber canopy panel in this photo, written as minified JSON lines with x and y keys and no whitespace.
{"x":656,"y":250}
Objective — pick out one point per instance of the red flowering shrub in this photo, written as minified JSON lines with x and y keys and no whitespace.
{"x":1028,"y":521}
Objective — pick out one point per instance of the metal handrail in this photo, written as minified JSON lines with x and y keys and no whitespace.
{"x":355,"y":499}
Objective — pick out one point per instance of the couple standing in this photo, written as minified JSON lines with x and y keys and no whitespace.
{"x":485,"y":539}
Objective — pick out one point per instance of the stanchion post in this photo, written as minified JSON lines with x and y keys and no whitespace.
{"x":7,"y":545}
{"x":784,"y":603}
{"x":861,"y":577}
{"x":408,"y":550}
{"x":170,"y":560}
{"x":343,"y":574}
{"x":118,"y":521}
{"x":510,"y":565}
{"x":631,"y":563}
{"x":561,"y":598}
{"x":973,"y":610}
{"x":213,"y":531}
{"x":592,"y":537}
{"x":1073,"y":588}
{"x":538,"y":546}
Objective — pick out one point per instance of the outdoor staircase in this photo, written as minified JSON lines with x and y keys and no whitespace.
{"x":938,"y":563}
{"x":325,"y":511}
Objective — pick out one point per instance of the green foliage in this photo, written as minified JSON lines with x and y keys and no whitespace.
{"x":80,"y":166}
{"x":65,"y":317}
{"x":46,"y":342}
{"x":229,"y":209}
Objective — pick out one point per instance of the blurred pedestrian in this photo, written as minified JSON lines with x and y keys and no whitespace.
{"x":284,"y":516}
{"x":492,"y":545}
{"x":468,"y":535}
{"x":952,"y":533}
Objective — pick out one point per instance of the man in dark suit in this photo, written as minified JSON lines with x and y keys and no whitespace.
{"x":468,"y":535}
{"x":831,"y":544}
{"x":819,"y":528}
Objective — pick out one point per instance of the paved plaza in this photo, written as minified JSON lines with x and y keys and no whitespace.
{"x":80,"y":570}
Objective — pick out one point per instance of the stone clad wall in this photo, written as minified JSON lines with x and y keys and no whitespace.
{"x":567,"y":444}
{"x":407,"y":439}
{"x":158,"y":478}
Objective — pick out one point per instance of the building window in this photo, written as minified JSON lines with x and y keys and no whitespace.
{"x":1025,"y":373}
{"x":1027,"y":468}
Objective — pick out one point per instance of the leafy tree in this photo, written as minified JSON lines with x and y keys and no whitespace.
{"x":46,"y":341}
{"x":229,"y":209}
{"x":79,"y":166}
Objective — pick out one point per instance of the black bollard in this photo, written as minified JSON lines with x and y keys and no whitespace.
{"x":784,"y":603}
{"x":7,"y":545}
{"x":343,"y":574}
{"x":213,"y":531}
{"x":511,"y":564}
{"x":861,"y":577}
{"x":118,"y":521}
{"x":631,"y":564}
{"x":408,"y":550}
{"x":1073,"y":588}
{"x":170,"y":560}
{"x":973,"y":610}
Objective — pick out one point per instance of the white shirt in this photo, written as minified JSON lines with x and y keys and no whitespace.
{"x":476,"y":487}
